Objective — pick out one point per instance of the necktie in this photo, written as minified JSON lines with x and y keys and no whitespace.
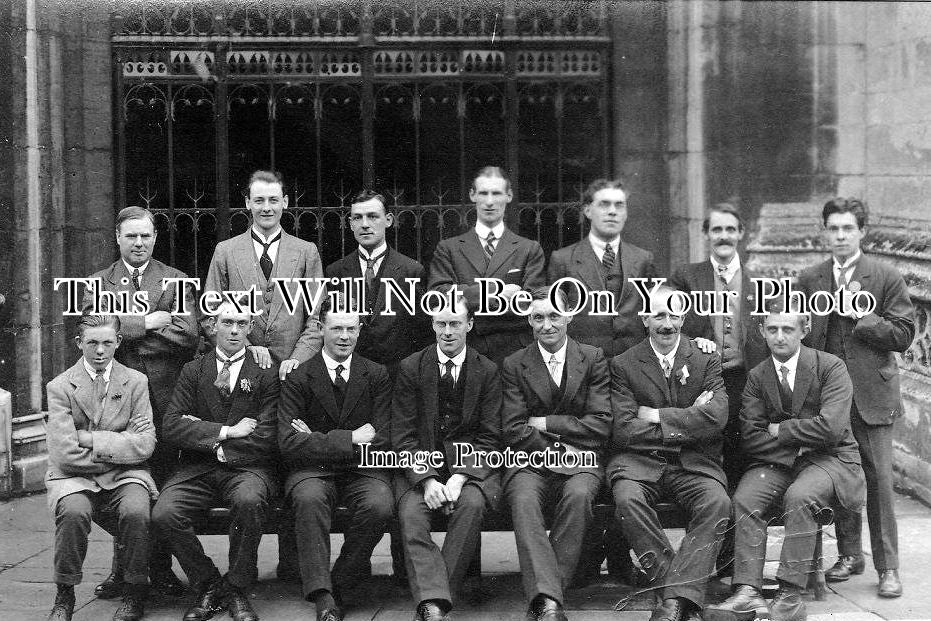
{"x":608,"y":258}
{"x":785,"y":392}
{"x":448,"y":375}
{"x":223,"y":377}
{"x":100,"y":387}
{"x":265,"y":261}
{"x":842,"y":274}
{"x":722,"y":275}
{"x":489,"y":245}
{"x":554,"y":367}
{"x":667,"y":368}
{"x":370,"y":277}
{"x":137,"y":282}
{"x":339,"y":385}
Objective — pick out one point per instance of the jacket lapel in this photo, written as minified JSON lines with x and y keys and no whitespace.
{"x":771,"y":383}
{"x":389,"y":268}
{"x":472,"y":385}
{"x":588,"y":266}
{"x":115,"y":388}
{"x":628,"y":268}
{"x":285,"y":267}
{"x":504,"y":249}
{"x":537,"y":375}
{"x":472,"y":250}
{"x":683,"y":355}
{"x":84,"y":391}
{"x":430,"y":377}
{"x":575,"y":371}
{"x":804,"y":375}
{"x":652,"y":370}
{"x":209,"y":392}
{"x":246,"y":262}
{"x":323,"y":386}
{"x":358,"y":380}
{"x":819,"y":323}
{"x":152,"y":282}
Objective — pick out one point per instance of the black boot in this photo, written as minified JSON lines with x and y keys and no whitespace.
{"x":133,"y":606}
{"x":64,"y":604}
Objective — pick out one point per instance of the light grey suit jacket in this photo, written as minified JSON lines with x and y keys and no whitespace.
{"x":235,"y":267}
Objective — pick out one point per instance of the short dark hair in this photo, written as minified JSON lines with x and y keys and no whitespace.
{"x":98,"y":321}
{"x":326,"y":307}
{"x":495,"y":172}
{"x":266,"y":176}
{"x":727,"y":208}
{"x":846,"y":205}
{"x":543,"y":293}
{"x":368,"y":194}
{"x":601,"y":184}
{"x":778,"y":306}
{"x":133,"y":212}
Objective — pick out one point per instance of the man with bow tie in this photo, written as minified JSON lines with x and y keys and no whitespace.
{"x":330,"y":406}
{"x":555,"y":398}
{"x":445,"y":394}
{"x":100,"y":434}
{"x":795,"y":431}
{"x":490,"y":250}
{"x":223,"y":419}
{"x":867,"y":343}
{"x":670,"y":409}
{"x":157,"y":345}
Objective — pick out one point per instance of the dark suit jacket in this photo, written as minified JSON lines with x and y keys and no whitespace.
{"x":869,"y":357}
{"x":460,"y":260}
{"x":383,"y":339}
{"x":158,"y":354}
{"x":235,"y":267}
{"x":414,"y":411}
{"x":196,"y":414}
{"x":700,"y":277}
{"x":694,"y":433}
{"x":817,"y":422}
{"x":582,"y":417}
{"x":307,"y":394}
{"x":625,"y":329}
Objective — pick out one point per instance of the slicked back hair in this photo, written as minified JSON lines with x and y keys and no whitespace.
{"x":98,"y":321}
{"x":495,"y":172}
{"x":266,"y":176}
{"x":601,"y":184}
{"x":133,"y":212}
{"x":846,"y":205}
{"x":367,"y":194}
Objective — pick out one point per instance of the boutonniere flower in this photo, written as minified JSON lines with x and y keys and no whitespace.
{"x":683,"y":374}
{"x":245,"y":385}
{"x":117,"y":397}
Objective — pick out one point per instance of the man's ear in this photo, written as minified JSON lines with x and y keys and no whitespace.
{"x":77,"y":341}
{"x":389,"y":219}
{"x":284,"y":201}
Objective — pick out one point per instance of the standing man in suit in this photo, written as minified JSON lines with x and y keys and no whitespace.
{"x":100,"y":434}
{"x":804,"y":460}
{"x":603,"y":262}
{"x":255,"y":258}
{"x":382,"y":339}
{"x":157,"y":345}
{"x":444,"y":394}
{"x":555,"y":398}
{"x":865,"y":342}
{"x":490,"y":250}
{"x":670,"y":409}
{"x":330,"y":406}
{"x":223,"y":419}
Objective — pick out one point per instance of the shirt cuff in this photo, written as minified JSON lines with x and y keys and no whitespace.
{"x":220,"y":455}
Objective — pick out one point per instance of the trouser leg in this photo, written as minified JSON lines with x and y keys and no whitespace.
{"x":126,"y":512}
{"x":371,"y":506}
{"x":248,"y":496}
{"x":426,"y":569}
{"x":760,"y":490}
{"x":173,"y":515}
{"x":312,"y":501}
{"x":526,"y":494}
{"x":73,"y":515}
{"x":811,"y":491}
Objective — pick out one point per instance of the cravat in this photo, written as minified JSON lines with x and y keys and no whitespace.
{"x":448,"y":375}
{"x":339,"y":386}
{"x":489,"y":245}
{"x":223,"y":377}
{"x":554,"y":369}
{"x":100,"y":387}
{"x":370,"y":277}
{"x":265,"y":261}
{"x":137,"y":283}
{"x":667,"y":368}
{"x":785,"y":392}
{"x":608,"y":258}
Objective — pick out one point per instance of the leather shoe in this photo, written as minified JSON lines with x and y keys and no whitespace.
{"x":167,"y":583}
{"x":845,"y":567}
{"x":238,"y":604}
{"x":429,"y":611}
{"x":788,"y":605}
{"x":64,"y":605}
{"x":672,"y":609}
{"x":111,"y":587}
{"x":208,"y":603}
{"x":889,"y":583}
{"x":745,"y":604}
{"x":544,"y":608}
{"x":330,"y":614}
{"x":132,"y":608}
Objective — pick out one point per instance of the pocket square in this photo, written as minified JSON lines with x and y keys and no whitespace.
{"x":515,"y":270}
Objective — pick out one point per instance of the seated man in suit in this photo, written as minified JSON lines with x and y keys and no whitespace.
{"x":444,"y":394}
{"x":795,"y":425}
{"x":490,"y":250}
{"x":100,"y":434}
{"x":555,"y":399}
{"x":331,"y":405}
{"x":669,"y":414}
{"x":223,"y":419}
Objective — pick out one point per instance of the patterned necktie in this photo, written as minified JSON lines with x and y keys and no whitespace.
{"x":785,"y":392}
{"x":137,"y":282}
{"x":722,"y":275}
{"x":448,"y":375}
{"x":370,"y":277}
{"x":554,"y":367}
{"x":608,"y":258}
{"x":489,"y":245}
{"x":265,"y":261}
{"x":100,"y":387}
{"x":842,"y":272}
{"x":223,"y":377}
{"x":667,"y":368}
{"x":339,"y":386}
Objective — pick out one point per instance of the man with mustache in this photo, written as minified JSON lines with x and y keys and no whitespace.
{"x":866,"y":342}
{"x":670,"y":409}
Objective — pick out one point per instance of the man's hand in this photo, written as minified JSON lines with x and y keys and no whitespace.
{"x":242,"y":428}
{"x":85,"y":439}
{"x":364,"y":434}
{"x":537,"y":422}
{"x":261,"y":355}
{"x":140,"y":425}
{"x":706,"y":346}
{"x":650,"y":415}
{"x":454,"y":486}
{"x":299,"y":426}
{"x":157,"y":320}
{"x":703,"y":398}
{"x":773,"y":429}
{"x":286,"y":367}
{"x":435,"y":494}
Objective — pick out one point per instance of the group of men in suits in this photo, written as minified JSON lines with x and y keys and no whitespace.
{"x":291,"y":403}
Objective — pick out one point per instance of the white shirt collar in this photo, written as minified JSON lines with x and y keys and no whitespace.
{"x":264,"y":238}
{"x":791,"y":363}
{"x":559,"y":353}
{"x":93,"y":372}
{"x":846,"y":265}
{"x":599,"y":245}
{"x":729,"y":270}
{"x":332,"y":364}
{"x":221,"y":357}
{"x":671,"y":356}
{"x":458,"y":359}
{"x":483,"y":230}
{"x":142,"y":268}
{"x":378,"y":252}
